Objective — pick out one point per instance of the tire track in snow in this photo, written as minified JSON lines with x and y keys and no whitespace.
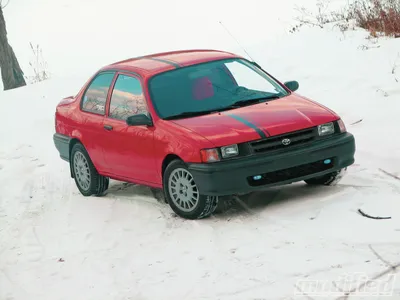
{"x":25,"y":206}
{"x":166,"y":213}
{"x":32,"y":191}
{"x":133,"y":193}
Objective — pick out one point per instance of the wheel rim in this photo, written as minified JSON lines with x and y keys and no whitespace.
{"x":81,"y":170}
{"x":183,"y":190}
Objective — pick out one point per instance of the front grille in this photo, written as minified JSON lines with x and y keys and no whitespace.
{"x":291,"y":173}
{"x":276,"y":142}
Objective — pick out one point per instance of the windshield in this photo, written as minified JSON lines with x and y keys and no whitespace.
{"x":210,"y":87}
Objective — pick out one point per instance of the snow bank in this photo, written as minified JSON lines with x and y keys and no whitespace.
{"x":56,"y":244}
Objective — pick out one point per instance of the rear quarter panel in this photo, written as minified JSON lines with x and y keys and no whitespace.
{"x":76,"y":124}
{"x":64,"y":111}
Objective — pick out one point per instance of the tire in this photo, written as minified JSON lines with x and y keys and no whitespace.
{"x":92,"y":183}
{"x":328,"y":179}
{"x":203,"y":205}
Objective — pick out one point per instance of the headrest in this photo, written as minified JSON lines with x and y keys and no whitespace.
{"x":202,"y":88}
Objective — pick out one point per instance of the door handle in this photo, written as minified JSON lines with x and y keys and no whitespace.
{"x":108,"y":127}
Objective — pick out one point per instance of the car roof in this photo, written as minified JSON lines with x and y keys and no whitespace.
{"x":156,"y":63}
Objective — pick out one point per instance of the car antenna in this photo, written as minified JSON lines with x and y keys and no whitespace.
{"x":253,"y":61}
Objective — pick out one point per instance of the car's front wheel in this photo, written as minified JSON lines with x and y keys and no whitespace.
{"x":182,"y":193}
{"x":328,"y":179}
{"x":87,"y":179}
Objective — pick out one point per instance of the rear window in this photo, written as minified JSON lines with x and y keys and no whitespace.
{"x":95,"y":97}
{"x":210,"y":86}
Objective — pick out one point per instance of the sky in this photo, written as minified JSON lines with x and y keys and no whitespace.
{"x":73,"y":33}
{"x":180,"y":25}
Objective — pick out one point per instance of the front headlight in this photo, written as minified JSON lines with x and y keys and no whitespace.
{"x":326,"y":129}
{"x":229,"y":151}
{"x":212,"y":155}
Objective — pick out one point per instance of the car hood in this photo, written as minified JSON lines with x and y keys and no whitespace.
{"x":258,"y":121}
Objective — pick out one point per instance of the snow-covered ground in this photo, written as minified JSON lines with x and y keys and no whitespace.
{"x":57,"y":244}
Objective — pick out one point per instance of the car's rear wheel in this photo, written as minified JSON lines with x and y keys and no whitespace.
{"x":328,"y":179}
{"x":182,"y":193}
{"x":87,"y":179}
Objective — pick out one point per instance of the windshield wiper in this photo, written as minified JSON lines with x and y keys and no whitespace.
{"x":251,"y":101}
{"x":233,"y":105}
{"x":189,"y":114}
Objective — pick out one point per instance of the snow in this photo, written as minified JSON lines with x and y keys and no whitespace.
{"x":57,"y":244}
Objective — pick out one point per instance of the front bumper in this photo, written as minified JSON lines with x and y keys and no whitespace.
{"x":237,"y":176}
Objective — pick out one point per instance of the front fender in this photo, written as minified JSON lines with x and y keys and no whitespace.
{"x":171,"y":139}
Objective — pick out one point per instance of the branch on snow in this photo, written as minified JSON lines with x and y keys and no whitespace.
{"x":392,"y":268}
{"x":372,"y":217}
{"x":380,"y":257}
{"x":356,"y":122}
{"x":390,"y":174}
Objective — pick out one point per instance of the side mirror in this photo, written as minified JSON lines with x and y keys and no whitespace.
{"x":138,"y":120}
{"x":292,"y":85}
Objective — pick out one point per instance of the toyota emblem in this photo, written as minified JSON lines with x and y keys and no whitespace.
{"x":286,"y":142}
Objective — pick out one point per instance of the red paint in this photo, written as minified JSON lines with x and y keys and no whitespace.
{"x":136,"y":153}
{"x":277,"y":117}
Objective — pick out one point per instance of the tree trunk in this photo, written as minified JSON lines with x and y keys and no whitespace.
{"x":11,"y":72}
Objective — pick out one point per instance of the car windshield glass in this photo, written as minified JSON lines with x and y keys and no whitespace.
{"x":213,"y":86}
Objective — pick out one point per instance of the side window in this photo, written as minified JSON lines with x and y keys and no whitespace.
{"x":127,"y":98}
{"x":95,"y":97}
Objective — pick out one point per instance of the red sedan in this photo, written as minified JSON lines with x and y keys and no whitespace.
{"x":200,"y":124}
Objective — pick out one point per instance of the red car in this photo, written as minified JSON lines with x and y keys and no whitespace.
{"x":200,"y":124}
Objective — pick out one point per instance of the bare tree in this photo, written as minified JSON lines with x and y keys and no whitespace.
{"x":11,"y":72}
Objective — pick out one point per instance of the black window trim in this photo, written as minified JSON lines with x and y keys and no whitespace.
{"x":112,"y":87}
{"x":87,"y":88}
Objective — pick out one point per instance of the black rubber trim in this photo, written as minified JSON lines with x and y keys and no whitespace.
{"x":62,"y":144}
{"x":116,"y":70}
{"x":176,"y":65}
{"x":248,"y":123}
{"x":231,"y":177}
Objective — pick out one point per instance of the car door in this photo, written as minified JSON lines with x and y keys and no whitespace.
{"x":129,"y":150}
{"x":90,"y":121}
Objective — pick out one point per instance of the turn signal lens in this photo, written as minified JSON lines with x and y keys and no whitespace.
{"x":209,"y":155}
{"x":342,"y":127}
